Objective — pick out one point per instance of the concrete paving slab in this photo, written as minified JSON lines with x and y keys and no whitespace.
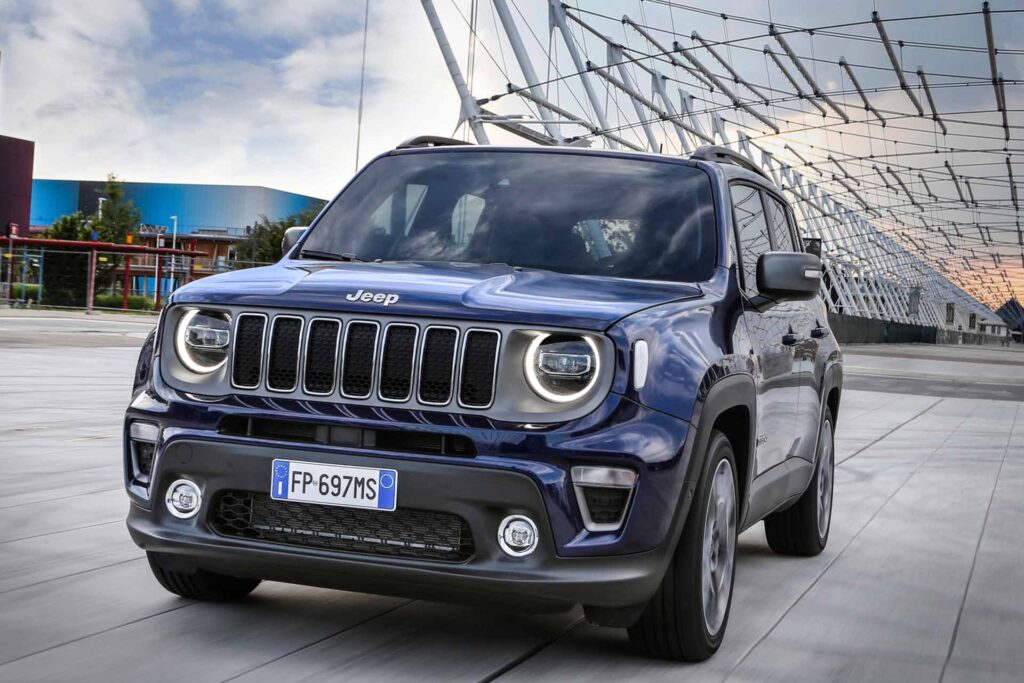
{"x":922,"y":574}
{"x":31,"y":561}
{"x":46,"y":615}
{"x":204,"y":642}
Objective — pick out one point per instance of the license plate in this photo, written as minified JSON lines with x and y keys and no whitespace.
{"x":354,"y":487}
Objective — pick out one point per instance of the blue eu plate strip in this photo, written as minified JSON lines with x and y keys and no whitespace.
{"x":279,"y":485}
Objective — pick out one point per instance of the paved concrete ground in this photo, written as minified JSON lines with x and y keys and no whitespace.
{"x":923,"y":578}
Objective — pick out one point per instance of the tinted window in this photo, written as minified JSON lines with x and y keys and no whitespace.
{"x":751,"y":232}
{"x":571,"y":213}
{"x":782,"y":238}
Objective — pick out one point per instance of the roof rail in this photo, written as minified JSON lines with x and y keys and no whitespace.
{"x":724,"y":155}
{"x":431,"y":141}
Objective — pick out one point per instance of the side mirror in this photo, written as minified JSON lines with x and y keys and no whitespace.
{"x":812,"y":245}
{"x":291,"y":238}
{"x":788,"y":275}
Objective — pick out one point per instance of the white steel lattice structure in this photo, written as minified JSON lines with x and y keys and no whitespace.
{"x":902,"y":241}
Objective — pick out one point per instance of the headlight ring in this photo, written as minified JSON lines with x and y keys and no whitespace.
{"x":562,"y":368}
{"x":201,"y":340}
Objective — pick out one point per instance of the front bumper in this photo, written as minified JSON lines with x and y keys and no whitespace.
{"x":516,"y":471}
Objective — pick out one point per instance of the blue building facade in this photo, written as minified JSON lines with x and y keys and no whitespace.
{"x":226,"y":209}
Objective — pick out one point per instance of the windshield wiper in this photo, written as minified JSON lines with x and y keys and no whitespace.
{"x":329,"y":256}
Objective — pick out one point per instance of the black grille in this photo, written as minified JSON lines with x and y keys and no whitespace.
{"x":605,"y":505}
{"x":283,"y":364}
{"x":396,"y":363}
{"x":248,"y":356}
{"x":420,"y":534}
{"x":321,"y":356}
{"x":357,"y":367}
{"x":400,"y":361}
{"x":478,"y":365}
{"x":437,"y":366}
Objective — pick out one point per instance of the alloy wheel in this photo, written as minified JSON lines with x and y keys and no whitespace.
{"x":719,"y":547}
{"x":825,"y":473}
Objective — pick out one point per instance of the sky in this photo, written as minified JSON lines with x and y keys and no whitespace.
{"x":217,"y":91}
{"x":266,"y":92}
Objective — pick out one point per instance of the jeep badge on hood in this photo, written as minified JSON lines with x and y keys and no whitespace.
{"x":370,"y":297}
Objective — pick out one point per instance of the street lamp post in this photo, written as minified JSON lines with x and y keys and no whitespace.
{"x":174,"y":245}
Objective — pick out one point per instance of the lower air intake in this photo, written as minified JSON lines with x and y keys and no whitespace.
{"x":419,"y":534}
{"x":606,"y":505}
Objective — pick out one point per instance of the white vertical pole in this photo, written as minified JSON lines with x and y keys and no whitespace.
{"x":470,"y":109}
{"x":526,"y":66}
{"x":617,"y":57}
{"x":558,"y":15}
{"x":657,"y":82}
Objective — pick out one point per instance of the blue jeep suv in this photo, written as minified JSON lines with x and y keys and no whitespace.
{"x":532,"y":377}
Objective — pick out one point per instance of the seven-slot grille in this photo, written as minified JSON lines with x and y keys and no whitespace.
{"x":360,"y":359}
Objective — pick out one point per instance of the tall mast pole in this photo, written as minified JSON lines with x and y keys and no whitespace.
{"x":470,"y":109}
{"x":558,"y":16}
{"x":526,"y":66}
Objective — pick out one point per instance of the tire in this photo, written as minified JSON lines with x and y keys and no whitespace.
{"x":802,"y":529}
{"x":673,"y":625}
{"x":200,"y":584}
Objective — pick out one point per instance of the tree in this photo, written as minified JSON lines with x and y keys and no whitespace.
{"x":71,"y":227}
{"x":65,"y":273}
{"x":118,"y":217}
{"x":263,"y":245}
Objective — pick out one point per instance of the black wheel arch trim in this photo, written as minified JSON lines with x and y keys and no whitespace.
{"x":720,"y":393}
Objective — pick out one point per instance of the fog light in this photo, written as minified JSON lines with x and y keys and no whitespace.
{"x":517,"y":535}
{"x":183,"y":499}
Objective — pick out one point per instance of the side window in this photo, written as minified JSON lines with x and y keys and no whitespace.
{"x":782,"y":237}
{"x":751,"y":232}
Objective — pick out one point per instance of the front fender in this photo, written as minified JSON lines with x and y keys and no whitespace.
{"x":144,"y":366}
{"x":688,"y":343}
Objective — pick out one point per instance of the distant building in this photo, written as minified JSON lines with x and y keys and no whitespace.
{"x":221,"y":210}
{"x":1013,"y":314}
{"x":211,"y":219}
{"x":16,"y":158}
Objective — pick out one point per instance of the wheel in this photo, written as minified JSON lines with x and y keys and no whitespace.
{"x":686,"y":619}
{"x":199,"y":584}
{"x":803,"y":528}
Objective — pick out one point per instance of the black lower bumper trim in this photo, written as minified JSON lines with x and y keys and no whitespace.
{"x":419,"y":534}
{"x":556,"y":585}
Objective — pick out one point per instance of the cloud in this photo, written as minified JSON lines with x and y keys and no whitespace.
{"x":211,"y":92}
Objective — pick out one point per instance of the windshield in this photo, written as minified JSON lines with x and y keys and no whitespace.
{"x":570,"y":213}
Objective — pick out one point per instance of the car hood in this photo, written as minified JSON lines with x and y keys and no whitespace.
{"x":495,"y":292}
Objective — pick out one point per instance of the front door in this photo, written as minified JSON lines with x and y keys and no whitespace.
{"x":773,"y":337}
{"x":808,"y":322}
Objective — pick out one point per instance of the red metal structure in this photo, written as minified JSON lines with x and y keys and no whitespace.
{"x":94,"y":248}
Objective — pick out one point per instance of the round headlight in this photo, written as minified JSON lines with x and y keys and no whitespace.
{"x":561,"y":368}
{"x":202,"y":339}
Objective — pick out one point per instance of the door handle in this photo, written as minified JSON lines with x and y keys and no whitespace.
{"x":819,"y":332}
{"x":791,"y":339}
